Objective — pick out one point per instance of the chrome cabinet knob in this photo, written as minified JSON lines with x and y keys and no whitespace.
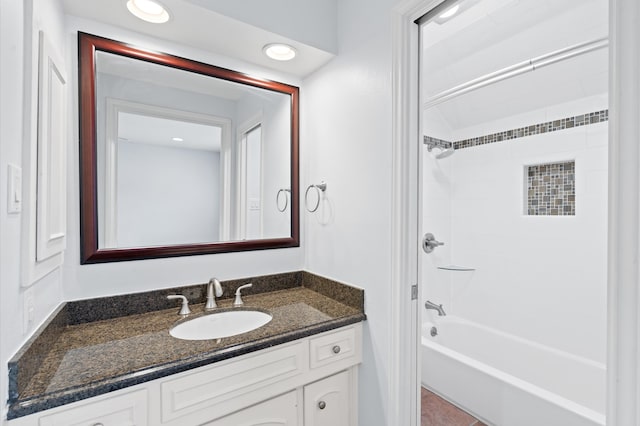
{"x":321,"y":405}
{"x":98,"y":424}
{"x":336,"y":349}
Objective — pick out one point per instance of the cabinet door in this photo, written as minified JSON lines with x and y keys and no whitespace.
{"x":279,"y":411}
{"x":327,"y":402}
{"x":128,"y":409}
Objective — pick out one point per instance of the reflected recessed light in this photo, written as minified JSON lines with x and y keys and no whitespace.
{"x":279,"y":51}
{"x":177,"y":139}
{"x":148,"y":10}
{"x":449,"y":12}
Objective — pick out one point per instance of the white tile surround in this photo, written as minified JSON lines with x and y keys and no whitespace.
{"x":539,"y":277}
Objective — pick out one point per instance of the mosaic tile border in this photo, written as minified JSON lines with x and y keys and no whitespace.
{"x":534,"y":129}
{"x":436,"y":143}
{"x":551,"y":189}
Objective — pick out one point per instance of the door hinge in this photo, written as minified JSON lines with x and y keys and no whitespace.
{"x":414,"y":292}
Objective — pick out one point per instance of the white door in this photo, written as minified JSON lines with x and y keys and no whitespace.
{"x":326,"y":402}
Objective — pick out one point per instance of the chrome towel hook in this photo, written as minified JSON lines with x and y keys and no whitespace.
{"x":286,"y":192}
{"x":320,"y":188}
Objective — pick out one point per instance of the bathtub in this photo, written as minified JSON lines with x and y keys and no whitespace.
{"x":509,"y":381}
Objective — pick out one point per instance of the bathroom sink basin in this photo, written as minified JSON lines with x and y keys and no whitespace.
{"x":219,"y":325}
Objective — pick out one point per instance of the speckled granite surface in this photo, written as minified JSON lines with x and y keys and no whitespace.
{"x":88,"y":348}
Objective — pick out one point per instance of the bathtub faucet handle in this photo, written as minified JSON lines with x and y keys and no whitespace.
{"x":429,"y":242}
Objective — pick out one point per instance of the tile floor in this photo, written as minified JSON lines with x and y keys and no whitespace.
{"x":438,"y":412}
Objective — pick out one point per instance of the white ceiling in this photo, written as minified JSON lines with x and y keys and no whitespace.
{"x":136,"y":128}
{"x":311,"y":22}
{"x":203,"y":28}
{"x":493,"y":34}
{"x":160,"y":75}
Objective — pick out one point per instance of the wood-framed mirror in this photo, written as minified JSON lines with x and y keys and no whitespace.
{"x":179,"y":157}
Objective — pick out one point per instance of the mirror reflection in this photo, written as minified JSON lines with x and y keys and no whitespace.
{"x":163,"y":184}
{"x":185,"y":159}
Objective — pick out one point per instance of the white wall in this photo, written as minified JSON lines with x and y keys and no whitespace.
{"x":274,"y":112}
{"x":115,"y":278}
{"x":436,"y":214}
{"x":275,"y":134}
{"x":308,"y":21}
{"x":109,"y":86}
{"x":346,"y":141}
{"x":20,"y":23}
{"x":167,"y":195}
{"x":539,"y":277}
{"x":253,"y":183}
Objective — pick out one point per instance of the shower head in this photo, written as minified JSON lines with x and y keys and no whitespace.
{"x":444,"y":153}
{"x":446,"y":148}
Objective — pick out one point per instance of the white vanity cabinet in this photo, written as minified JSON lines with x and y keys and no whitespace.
{"x":126,"y":409}
{"x":329,"y":401}
{"x":310,"y":381}
{"x":279,"y":411}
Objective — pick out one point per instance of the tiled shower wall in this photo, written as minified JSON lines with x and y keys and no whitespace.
{"x":551,"y":189}
{"x":536,"y":129}
{"x":529,"y":269}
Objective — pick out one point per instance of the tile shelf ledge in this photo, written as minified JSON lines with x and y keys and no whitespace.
{"x":456,"y":268}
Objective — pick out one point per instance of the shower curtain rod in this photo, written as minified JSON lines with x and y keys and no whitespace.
{"x":517,"y":69}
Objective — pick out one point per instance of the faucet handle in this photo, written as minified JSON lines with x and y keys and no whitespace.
{"x":184,"y":310}
{"x":238,"y":301}
{"x":429,"y":242}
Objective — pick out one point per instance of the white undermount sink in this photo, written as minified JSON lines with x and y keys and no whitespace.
{"x":219,"y":325}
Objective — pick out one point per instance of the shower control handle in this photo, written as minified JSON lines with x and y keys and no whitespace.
{"x":429,"y":242}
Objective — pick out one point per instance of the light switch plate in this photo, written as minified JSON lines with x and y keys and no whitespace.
{"x":254,"y":204}
{"x":14,"y":189}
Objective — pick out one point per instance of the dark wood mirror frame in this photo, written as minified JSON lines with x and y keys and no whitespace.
{"x":88,"y":45}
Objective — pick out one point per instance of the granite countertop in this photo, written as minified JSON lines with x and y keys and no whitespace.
{"x":84,"y":350}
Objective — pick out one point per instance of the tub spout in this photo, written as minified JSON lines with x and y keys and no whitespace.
{"x":430,"y":305}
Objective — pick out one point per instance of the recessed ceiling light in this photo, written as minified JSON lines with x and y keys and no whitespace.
{"x":148,"y":10}
{"x":177,"y":139}
{"x":449,"y":12}
{"x":279,"y":51}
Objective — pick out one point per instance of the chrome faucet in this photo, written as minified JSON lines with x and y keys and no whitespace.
{"x":214,"y":284}
{"x":430,"y":305}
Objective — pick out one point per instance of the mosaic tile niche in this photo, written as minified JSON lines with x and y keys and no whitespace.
{"x":551,"y":189}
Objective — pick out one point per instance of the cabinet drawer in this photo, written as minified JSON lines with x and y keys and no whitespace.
{"x":222,"y":389}
{"x":129,"y":409}
{"x":279,"y":411}
{"x":332,"y":347}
